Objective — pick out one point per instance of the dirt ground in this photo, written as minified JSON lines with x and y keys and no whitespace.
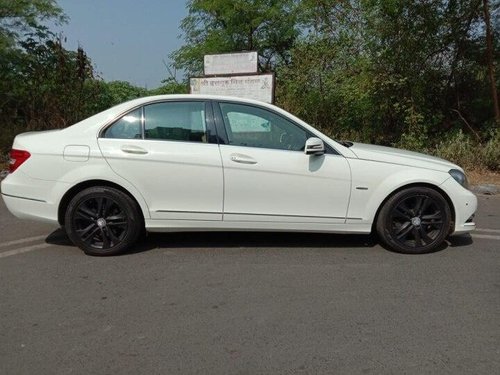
{"x":483,"y":177}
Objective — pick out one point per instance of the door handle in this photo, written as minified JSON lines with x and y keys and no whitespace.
{"x":244,"y":159}
{"x":129,"y":149}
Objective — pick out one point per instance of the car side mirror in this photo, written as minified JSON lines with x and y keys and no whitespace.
{"x":314,"y":146}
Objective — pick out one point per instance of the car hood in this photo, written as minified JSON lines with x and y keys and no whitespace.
{"x":402,"y":157}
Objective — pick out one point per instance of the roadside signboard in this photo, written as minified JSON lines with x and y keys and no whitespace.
{"x":230,"y":63}
{"x":257,"y":87}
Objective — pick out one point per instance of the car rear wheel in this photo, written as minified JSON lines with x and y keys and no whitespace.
{"x":103,"y":221}
{"x":414,"y":221}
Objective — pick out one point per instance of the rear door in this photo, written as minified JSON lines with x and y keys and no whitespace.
{"x":163,"y":149}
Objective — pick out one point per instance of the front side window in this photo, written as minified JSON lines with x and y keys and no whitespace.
{"x":127,"y":127}
{"x":256,"y":127}
{"x":175,"y":121}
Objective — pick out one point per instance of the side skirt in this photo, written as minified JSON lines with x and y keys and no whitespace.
{"x":252,"y":226}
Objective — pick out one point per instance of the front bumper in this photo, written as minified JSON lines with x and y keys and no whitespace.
{"x":464,"y":204}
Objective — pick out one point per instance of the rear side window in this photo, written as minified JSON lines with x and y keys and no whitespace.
{"x":127,"y":127}
{"x":175,"y":121}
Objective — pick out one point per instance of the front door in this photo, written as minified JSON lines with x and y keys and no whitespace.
{"x":267,"y":175}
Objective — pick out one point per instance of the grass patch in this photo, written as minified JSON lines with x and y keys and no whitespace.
{"x":470,"y":155}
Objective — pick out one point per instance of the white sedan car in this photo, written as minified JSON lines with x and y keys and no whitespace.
{"x":210,"y":163}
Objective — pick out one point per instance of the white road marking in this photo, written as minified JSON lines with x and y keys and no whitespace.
{"x":488,"y":230}
{"x":24,"y":250}
{"x":23,"y":240}
{"x":485,"y":236}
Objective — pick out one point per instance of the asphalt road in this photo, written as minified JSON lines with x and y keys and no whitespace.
{"x":244,"y":303}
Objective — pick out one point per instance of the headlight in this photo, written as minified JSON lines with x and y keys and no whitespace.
{"x":460,"y":177}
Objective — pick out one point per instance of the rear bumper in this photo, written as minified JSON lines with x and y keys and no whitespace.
{"x":29,"y":198}
{"x":25,"y":208}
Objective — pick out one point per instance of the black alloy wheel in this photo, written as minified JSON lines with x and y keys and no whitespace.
{"x":103,"y":221}
{"x":414,"y":220}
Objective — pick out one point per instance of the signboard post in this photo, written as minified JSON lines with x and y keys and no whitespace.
{"x":234,"y":74}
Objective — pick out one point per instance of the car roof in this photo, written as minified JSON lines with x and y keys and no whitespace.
{"x":146,"y":99}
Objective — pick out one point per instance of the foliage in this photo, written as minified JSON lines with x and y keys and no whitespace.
{"x":491,"y":152}
{"x":391,"y":68}
{"x":122,"y":91}
{"x":45,"y":85}
{"x":19,"y":17}
{"x":467,"y":153}
{"x":215,"y":26}
{"x":170,"y":86}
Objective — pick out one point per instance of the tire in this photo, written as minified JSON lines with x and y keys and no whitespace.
{"x":414,"y":221}
{"x":103,"y":221}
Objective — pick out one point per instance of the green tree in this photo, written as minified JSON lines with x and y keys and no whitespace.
{"x":122,"y":91}
{"x":20,"y":17}
{"x":216,"y":26}
{"x":170,"y":86}
{"x":46,"y":86}
{"x":395,"y":71}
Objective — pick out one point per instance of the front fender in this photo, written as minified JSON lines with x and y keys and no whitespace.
{"x":374,"y":181}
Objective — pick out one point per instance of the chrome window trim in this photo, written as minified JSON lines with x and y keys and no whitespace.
{"x":110,"y":123}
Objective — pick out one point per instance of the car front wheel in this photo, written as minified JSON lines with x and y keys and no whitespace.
{"x":103,"y":221}
{"x":414,"y":221}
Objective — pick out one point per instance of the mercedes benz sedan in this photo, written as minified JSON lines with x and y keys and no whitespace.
{"x":209,"y":163}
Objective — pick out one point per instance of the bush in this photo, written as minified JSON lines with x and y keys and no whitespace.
{"x":491,"y":152}
{"x":7,"y":134}
{"x":470,"y":154}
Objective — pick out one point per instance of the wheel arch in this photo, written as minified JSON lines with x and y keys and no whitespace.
{"x":411,"y":185}
{"x":64,"y":202}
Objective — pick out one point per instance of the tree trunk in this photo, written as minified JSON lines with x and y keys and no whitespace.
{"x":489,"y":57}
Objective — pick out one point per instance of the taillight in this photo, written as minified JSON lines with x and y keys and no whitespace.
{"x":17,"y":157}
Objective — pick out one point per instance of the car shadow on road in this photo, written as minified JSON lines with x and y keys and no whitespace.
{"x":213,"y":240}
{"x":258,"y":240}
{"x":234,"y":240}
{"x":460,"y":240}
{"x":59,"y":238}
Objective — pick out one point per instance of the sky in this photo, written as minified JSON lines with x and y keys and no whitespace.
{"x":125,"y":39}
